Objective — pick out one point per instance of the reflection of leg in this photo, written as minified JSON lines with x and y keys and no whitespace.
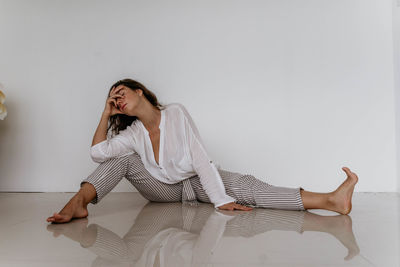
{"x":73,"y":230}
{"x":248,"y":190}
{"x":152,"y":219}
{"x":107,"y":175}
{"x":258,"y":221}
{"x":108,"y":245}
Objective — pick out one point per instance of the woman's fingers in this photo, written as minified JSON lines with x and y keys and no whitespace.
{"x":241,"y":207}
{"x":115,"y":96}
{"x":115,"y":90}
{"x":111,"y":92}
{"x":113,"y":100}
{"x":234,"y":206}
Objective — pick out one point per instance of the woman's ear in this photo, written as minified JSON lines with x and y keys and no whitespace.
{"x":140,"y":92}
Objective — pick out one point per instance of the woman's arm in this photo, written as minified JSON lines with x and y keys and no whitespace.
{"x":103,"y":149}
{"x":203,"y":165}
{"x":110,"y":109}
{"x":101,"y":131}
{"x":121,"y":144}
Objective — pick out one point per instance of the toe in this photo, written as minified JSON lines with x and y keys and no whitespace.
{"x":57,"y":216}
{"x":61,"y":218}
{"x":347,"y":171}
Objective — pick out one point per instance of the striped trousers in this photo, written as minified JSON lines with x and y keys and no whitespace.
{"x":245,"y":188}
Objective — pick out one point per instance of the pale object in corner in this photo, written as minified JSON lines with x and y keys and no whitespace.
{"x":3,"y":110}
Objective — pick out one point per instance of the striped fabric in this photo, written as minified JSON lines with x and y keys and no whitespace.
{"x":245,"y":188}
{"x":113,"y":250}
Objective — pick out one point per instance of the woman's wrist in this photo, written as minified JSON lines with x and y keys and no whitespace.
{"x":105,"y":115}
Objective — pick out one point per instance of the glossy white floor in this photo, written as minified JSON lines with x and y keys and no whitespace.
{"x":126,"y":230}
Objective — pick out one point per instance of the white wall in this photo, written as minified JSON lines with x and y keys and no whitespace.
{"x":289,"y":91}
{"x":396,"y":62}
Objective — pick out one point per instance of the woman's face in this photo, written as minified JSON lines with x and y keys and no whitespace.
{"x":129,"y":99}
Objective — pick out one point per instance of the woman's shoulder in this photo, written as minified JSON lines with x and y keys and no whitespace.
{"x":174,"y":105}
{"x":177,"y":107}
{"x":131,"y":129}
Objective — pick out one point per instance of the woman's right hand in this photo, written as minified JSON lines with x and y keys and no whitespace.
{"x":111,"y":107}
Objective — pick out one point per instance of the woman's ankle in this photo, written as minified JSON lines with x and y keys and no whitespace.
{"x":87,"y":192}
{"x":80,"y":199}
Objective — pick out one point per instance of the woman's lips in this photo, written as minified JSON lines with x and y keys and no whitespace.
{"x":123,"y":107}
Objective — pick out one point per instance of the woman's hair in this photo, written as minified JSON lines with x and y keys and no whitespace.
{"x":119,"y":122}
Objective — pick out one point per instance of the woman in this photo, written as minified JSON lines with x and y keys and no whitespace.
{"x":159,"y":150}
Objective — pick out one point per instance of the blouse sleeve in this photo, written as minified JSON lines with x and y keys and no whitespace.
{"x":119,"y":145}
{"x":203,"y":165}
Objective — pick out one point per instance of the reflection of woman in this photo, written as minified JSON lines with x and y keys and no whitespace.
{"x":172,"y":234}
{"x":160,"y":151}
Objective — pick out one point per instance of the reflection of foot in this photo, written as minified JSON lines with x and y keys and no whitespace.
{"x":72,"y":230}
{"x":340,"y":226}
{"x":73,"y":209}
{"x":341,"y":197}
{"x":76,"y":230}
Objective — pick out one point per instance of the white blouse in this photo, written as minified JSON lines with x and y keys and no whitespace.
{"x":182,"y":153}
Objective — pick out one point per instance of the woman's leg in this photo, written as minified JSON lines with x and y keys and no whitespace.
{"x":148,"y":186}
{"x":248,"y":190}
{"x":107,"y":175}
{"x":76,"y":206}
{"x":98,"y":184}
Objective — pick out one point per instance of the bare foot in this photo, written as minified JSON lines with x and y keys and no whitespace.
{"x":75,"y":208}
{"x":341,"y":197}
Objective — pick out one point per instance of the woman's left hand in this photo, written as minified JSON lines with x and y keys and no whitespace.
{"x":234,"y":206}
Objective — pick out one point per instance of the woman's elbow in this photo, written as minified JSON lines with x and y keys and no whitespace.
{"x":97,"y":157}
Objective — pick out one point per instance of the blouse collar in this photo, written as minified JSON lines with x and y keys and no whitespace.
{"x":160,"y":126}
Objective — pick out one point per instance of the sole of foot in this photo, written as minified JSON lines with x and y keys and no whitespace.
{"x":341,"y":197}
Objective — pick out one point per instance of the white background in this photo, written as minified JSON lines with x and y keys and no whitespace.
{"x":289,"y":91}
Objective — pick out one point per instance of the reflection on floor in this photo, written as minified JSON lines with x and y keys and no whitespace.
{"x":126,"y":230}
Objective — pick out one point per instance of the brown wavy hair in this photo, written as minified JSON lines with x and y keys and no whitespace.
{"x":119,"y":122}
